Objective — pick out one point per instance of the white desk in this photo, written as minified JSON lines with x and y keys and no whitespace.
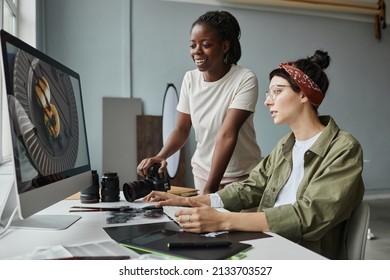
{"x":89,"y":228}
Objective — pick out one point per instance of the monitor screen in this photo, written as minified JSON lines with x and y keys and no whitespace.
{"x":50,"y":147}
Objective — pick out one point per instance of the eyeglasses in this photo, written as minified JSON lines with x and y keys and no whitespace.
{"x":274,"y":91}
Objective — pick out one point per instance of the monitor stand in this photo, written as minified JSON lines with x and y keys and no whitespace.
{"x":8,"y":205}
{"x":51,"y":222}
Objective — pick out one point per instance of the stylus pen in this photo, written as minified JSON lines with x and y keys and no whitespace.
{"x":200,"y":244}
{"x":100,"y":209}
{"x":95,"y":258}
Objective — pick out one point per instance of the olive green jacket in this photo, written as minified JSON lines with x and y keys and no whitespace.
{"x":331,"y":188}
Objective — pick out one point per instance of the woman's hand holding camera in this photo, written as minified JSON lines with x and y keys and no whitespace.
{"x":145,"y":164}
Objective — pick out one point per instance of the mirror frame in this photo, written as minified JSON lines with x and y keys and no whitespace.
{"x":169,"y":118}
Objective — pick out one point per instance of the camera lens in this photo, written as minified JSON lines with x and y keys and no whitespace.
{"x":154,"y":181}
{"x":110,"y":187}
{"x":91,"y":194}
{"x":137,"y":189}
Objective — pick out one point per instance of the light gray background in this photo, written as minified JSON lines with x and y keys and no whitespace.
{"x":126,"y":48}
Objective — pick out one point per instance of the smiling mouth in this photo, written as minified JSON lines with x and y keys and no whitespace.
{"x":199,"y":61}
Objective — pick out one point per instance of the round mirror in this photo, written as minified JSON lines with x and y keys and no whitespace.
{"x":169,"y":117}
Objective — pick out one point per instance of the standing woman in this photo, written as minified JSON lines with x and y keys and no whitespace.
{"x":218,"y":99}
{"x":307,"y":187}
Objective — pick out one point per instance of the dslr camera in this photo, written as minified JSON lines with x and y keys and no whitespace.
{"x":153,"y":182}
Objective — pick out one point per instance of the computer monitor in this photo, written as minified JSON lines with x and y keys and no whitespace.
{"x":50,"y":148}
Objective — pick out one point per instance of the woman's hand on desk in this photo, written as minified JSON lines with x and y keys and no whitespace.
{"x":201,"y":218}
{"x":166,"y":199}
{"x":198,"y":217}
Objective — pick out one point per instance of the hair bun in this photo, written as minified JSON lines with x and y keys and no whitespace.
{"x":321,"y":58}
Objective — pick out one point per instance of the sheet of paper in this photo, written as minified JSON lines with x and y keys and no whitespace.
{"x":108,"y":249}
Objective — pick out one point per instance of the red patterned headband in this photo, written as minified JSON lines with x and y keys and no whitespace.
{"x":307,"y":85}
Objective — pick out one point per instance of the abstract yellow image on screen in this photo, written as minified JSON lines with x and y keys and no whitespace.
{"x":47,"y":96}
{"x":50,"y":112}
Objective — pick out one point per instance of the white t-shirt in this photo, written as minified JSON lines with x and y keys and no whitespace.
{"x":208,"y":103}
{"x":288,"y":194}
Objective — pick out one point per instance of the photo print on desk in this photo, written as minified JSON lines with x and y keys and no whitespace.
{"x":138,"y":215}
{"x":126,"y":214}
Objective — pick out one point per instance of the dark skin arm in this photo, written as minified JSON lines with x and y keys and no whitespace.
{"x":175,"y":142}
{"x":224,"y":146}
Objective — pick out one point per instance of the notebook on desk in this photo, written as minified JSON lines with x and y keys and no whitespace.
{"x":155,"y":237}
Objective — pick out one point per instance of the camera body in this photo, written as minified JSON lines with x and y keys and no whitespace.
{"x":153,"y":182}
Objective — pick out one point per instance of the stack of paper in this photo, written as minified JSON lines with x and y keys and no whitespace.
{"x":182,"y":191}
{"x":106,"y":250}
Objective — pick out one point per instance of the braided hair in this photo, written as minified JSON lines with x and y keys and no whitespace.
{"x":227,"y":28}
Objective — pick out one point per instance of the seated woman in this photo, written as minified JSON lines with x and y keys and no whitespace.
{"x":307,"y":187}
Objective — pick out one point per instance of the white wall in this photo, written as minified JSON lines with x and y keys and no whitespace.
{"x":27,"y":21}
{"x":93,"y":37}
